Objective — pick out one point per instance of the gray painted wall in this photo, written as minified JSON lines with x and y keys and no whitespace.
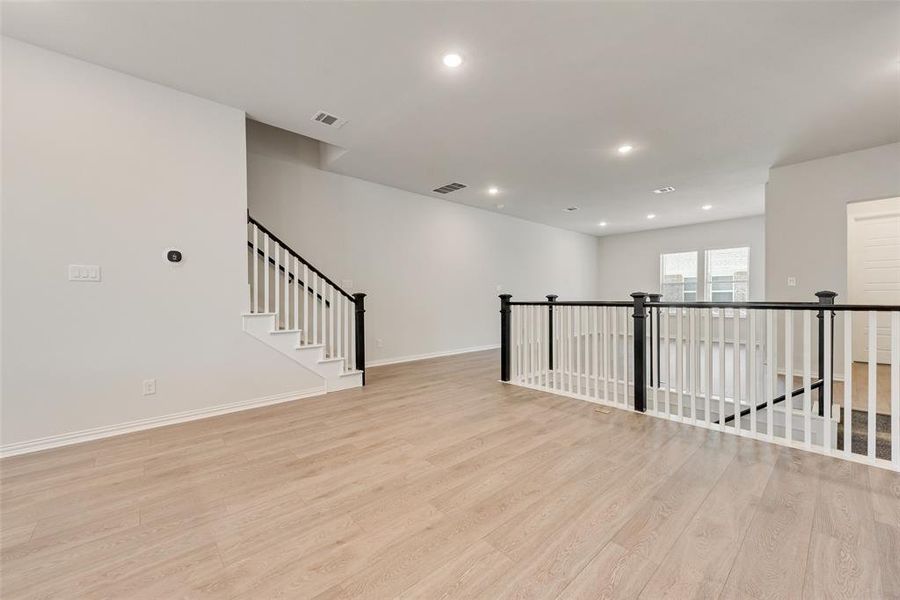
{"x":806,"y":223}
{"x":430,"y":267}
{"x":630,"y":262}
{"x":103,"y":168}
{"x":806,"y":217}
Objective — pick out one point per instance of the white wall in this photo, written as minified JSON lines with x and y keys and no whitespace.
{"x":806,"y":217}
{"x":630,"y":262}
{"x":430,"y":267}
{"x":806,"y":222}
{"x":102,"y":168}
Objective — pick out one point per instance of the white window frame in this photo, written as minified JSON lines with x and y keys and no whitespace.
{"x":707,"y":283}
{"x":662,"y":259}
{"x":704,"y":287}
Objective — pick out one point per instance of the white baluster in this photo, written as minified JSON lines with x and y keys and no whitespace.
{"x":542,"y":345}
{"x":296,"y":290}
{"x":340,"y":322}
{"x":625,"y":353}
{"x":615,"y":356}
{"x":807,"y":384}
{"x":873,"y":365}
{"x":736,"y":366}
{"x":679,"y":361}
{"x":770,"y":371}
{"x":306,"y":306}
{"x":606,"y":357}
{"x":654,"y":352}
{"x":277,"y":260}
{"x":570,"y":350}
{"x":595,"y":318}
{"x":826,"y":386}
{"x":287,"y":289}
{"x":255,"y":268}
{"x":666,"y":357}
{"x":331,"y":311}
{"x":895,"y":389}
{"x":722,"y":368}
{"x":848,"y":383}
{"x":532,"y":354}
{"x":315,"y":308}
{"x":751,"y":369}
{"x":520,"y":339}
{"x":709,"y":366}
{"x":577,"y":324}
{"x":266,"y":272}
{"x":694,"y":361}
{"x":536,"y":317}
{"x":788,"y":374}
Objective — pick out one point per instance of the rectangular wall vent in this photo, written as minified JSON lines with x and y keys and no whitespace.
{"x":328,"y":119}
{"x":450,"y":187}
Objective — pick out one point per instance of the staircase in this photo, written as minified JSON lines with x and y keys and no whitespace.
{"x":303,"y":314}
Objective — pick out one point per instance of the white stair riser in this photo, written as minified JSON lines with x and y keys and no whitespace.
{"x":262,"y":327}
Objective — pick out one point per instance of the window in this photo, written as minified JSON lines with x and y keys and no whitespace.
{"x":728,"y":275}
{"x":678,"y":277}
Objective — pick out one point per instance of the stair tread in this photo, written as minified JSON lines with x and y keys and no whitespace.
{"x":279,"y":331}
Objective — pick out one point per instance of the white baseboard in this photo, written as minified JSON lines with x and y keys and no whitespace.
{"x":96,"y":433}
{"x":411,"y":358}
{"x":799,"y":373}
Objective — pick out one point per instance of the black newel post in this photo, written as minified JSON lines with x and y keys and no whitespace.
{"x":640,"y":352}
{"x":359,"y":301}
{"x":825,"y":297}
{"x":550,"y":298}
{"x":654,"y":298}
{"x":504,"y":336}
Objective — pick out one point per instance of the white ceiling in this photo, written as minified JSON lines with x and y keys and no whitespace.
{"x":710,"y":94}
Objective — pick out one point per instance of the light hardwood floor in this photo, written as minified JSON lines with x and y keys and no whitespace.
{"x":435,"y":481}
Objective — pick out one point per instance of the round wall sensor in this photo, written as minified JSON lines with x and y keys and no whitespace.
{"x":173,"y":256}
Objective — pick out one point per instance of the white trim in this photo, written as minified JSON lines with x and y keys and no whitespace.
{"x":413,"y":357}
{"x":799,"y":374}
{"x":96,"y":433}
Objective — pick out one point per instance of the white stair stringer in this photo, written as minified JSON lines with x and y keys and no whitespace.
{"x":312,"y":356}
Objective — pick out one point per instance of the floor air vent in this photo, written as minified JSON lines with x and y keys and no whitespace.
{"x":450,"y":187}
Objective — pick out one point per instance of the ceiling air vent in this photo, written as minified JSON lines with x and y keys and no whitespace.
{"x":328,"y":119}
{"x":664,"y":190}
{"x":450,"y":187}
{"x":570,"y":209}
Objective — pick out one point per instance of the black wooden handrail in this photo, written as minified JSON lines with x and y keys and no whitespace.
{"x":572,"y":303}
{"x":777,"y":306}
{"x":290,"y":276}
{"x":815,"y":385}
{"x":278,"y":240}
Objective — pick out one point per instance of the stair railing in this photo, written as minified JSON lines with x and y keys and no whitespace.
{"x":724,"y":366}
{"x":304,"y":300}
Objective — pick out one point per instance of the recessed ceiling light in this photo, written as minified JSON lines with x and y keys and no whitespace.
{"x":602,"y":223}
{"x":706,"y":206}
{"x":452,"y":60}
{"x":651,"y":216}
{"x":493,"y":190}
{"x":570,"y":209}
{"x":664,"y":190}
{"x":625,"y":148}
